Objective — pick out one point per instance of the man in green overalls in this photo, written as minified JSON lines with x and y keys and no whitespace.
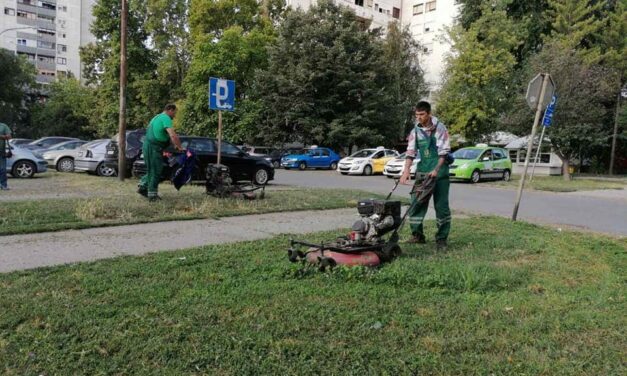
{"x":431,"y":139}
{"x":158,"y":137}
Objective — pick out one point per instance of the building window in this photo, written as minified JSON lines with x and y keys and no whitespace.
{"x":29,"y":57}
{"x":419,"y":9}
{"x":21,"y":42}
{"x":427,"y":48}
{"x":359,"y":2}
{"x":45,"y":17}
{"x":47,"y":6}
{"x":61,"y":48}
{"x":43,"y":44}
{"x":63,"y":35}
{"x":27,"y":2}
{"x":61,"y":60}
{"x":429,"y":27}
{"x":396,"y":13}
{"x":9,"y":11}
{"x":46,"y":59}
{"x":376,"y":7}
{"x":369,"y":3}
{"x":27,"y":15}
{"x":44,"y":32}
{"x":430,"y":6}
{"x":380,"y":10}
{"x":62,"y":74}
{"x":46,"y":73}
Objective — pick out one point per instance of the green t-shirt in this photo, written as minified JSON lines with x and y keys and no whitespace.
{"x":4,"y":131}
{"x":157,"y":128}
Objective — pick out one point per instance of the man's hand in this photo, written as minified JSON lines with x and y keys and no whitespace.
{"x":433,"y":174}
{"x":404,"y":178}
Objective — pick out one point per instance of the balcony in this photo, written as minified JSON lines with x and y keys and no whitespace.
{"x":50,"y":66}
{"x":45,"y":79}
{"x":26,"y":49}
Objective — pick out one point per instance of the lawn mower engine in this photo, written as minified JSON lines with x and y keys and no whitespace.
{"x":364,"y":245}
{"x":220,"y":184}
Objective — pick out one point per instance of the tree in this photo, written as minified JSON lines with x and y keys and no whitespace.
{"x":66,"y":111}
{"x":327,"y":81}
{"x":580,"y":123}
{"x":17,"y":80}
{"x":480,"y":72}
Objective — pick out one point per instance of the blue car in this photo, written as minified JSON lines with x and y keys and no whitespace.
{"x":314,"y":157}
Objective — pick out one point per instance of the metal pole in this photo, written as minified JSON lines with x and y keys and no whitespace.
{"x":615,"y":135}
{"x":219,"y":136}
{"x":545,"y":81}
{"x":535,"y":160}
{"x":122,"y":117}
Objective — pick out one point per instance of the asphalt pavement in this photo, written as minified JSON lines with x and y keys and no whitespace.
{"x":600,"y":211}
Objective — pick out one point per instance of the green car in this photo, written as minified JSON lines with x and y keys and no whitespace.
{"x":481,"y":162}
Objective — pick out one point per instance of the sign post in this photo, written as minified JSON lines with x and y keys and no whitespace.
{"x":221,"y":98}
{"x":539,"y":92}
{"x":546,"y":122}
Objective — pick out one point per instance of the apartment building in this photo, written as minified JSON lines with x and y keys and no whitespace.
{"x":48,"y":33}
{"x":426,"y":19}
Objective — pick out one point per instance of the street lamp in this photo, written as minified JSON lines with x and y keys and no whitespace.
{"x":17,"y":28}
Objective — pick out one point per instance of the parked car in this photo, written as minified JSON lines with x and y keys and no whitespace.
{"x":243,"y":167}
{"x":24,"y":164}
{"x":394,"y":168}
{"x":46,"y":142}
{"x":270,"y":154}
{"x":90,"y":158}
{"x":367,"y":161}
{"x":314,"y":157}
{"x":61,"y":156}
{"x":134,"y":143}
{"x":481,"y":162}
{"x":19,"y":141}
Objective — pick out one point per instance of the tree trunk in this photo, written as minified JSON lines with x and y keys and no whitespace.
{"x":565,"y":169}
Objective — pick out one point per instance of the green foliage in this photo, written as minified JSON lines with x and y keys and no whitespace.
{"x":480,"y":72}
{"x":17,"y":78}
{"x":66,"y":111}
{"x":328,"y":81}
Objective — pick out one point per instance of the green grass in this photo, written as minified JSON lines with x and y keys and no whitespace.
{"x":507,"y":298}
{"x":558,"y":184}
{"x":191,"y":203}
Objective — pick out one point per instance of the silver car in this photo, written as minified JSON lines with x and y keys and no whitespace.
{"x":24,"y":164}
{"x":61,"y":156}
{"x":90,"y":158}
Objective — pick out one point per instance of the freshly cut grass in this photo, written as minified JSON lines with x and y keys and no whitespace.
{"x":191,"y":203}
{"x":507,"y":298}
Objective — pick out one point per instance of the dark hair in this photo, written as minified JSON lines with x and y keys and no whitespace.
{"x":170,"y":107}
{"x":423,"y":106}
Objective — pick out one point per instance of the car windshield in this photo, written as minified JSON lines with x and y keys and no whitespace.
{"x":467,"y":153}
{"x":363,"y":153}
{"x":92,"y":144}
{"x":46,"y":142}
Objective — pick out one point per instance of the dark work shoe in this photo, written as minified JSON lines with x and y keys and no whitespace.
{"x":441,"y":245}
{"x":154,"y":198}
{"x":417,"y":239}
{"x":142,"y":191}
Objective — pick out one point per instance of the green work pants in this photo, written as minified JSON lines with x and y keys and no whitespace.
{"x":442,"y":211}
{"x":153,"y":158}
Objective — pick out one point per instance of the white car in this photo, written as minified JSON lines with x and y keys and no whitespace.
{"x":394,"y":168}
{"x":366,"y":161}
{"x":62,"y":156}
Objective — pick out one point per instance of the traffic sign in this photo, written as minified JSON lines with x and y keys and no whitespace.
{"x":548,"y":113}
{"x":221,"y":94}
{"x":535,"y":87}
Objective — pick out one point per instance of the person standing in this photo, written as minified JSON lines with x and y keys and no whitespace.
{"x":5,"y":135}
{"x":431,"y":139}
{"x":158,"y":137}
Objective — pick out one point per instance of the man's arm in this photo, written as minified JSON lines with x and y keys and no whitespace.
{"x":175,"y":138}
{"x":406,"y":170}
{"x":410,"y":154}
{"x":6,"y":136}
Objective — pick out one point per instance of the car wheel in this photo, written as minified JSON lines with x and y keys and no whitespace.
{"x":103,"y":170}
{"x":475,"y":177}
{"x":23,"y":169}
{"x":302,"y":166}
{"x":507,"y":175}
{"x":65,"y":165}
{"x":368,"y":170}
{"x":333,"y":166}
{"x":261,"y":176}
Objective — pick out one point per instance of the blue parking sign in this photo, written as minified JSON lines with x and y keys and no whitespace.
{"x":548,"y":113}
{"x":221,"y":94}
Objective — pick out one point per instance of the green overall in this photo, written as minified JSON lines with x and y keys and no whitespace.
{"x":428,"y":162}
{"x":157,"y":139}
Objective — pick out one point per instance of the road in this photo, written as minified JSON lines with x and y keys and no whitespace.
{"x":599,"y":211}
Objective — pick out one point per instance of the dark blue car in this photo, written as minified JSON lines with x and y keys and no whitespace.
{"x":314,"y":157}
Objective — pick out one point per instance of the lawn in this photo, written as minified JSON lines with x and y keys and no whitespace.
{"x":558,"y":184}
{"x":507,"y":298}
{"x":63,"y":214}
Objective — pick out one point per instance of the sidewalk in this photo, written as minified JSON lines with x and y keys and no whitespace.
{"x":19,"y":252}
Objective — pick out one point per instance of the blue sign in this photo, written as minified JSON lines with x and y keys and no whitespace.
{"x":221,"y":94}
{"x":548,"y":113}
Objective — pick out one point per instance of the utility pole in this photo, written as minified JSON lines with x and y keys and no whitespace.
{"x":122,"y":118}
{"x":622,"y":93}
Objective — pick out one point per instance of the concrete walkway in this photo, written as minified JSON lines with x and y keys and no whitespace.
{"x":19,"y":252}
